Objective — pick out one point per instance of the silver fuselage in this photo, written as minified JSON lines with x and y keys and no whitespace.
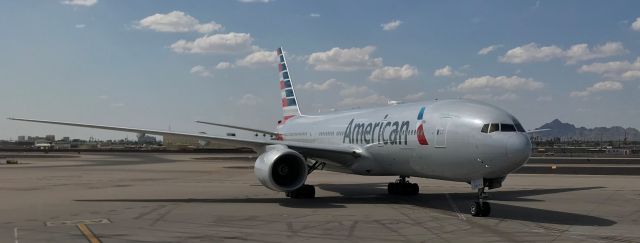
{"x":455,"y":147}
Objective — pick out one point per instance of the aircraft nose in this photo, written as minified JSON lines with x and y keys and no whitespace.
{"x":518,"y":149}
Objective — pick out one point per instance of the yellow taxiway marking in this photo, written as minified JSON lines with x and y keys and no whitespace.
{"x":88,"y":233}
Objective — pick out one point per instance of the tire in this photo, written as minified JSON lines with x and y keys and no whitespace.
{"x":476,"y":209}
{"x":486,"y":209}
{"x":392,"y":188}
{"x":415,"y":189}
{"x":305,"y":191}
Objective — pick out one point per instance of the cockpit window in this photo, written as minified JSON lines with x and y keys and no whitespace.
{"x":507,"y":127}
{"x":502,"y":127}
{"x":519,"y":126}
{"x":494,"y":127}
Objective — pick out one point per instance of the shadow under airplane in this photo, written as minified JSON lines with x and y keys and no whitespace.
{"x":376,"y":193}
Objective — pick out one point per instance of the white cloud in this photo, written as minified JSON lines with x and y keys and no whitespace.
{"x":488,"y":49}
{"x":447,"y":71}
{"x":176,"y":21}
{"x":200,"y":71}
{"x":352,"y":91}
{"x":499,"y":83}
{"x":635,"y":74}
{"x":636,"y":25}
{"x":394,"y":24}
{"x":224,"y":65}
{"x":314,"y":15}
{"x":443,"y":72}
{"x":249,"y":100}
{"x":326,"y":85}
{"x":218,"y":43}
{"x":580,"y":52}
{"x":598,"y":87}
{"x":84,"y":3}
{"x":416,"y":96}
{"x":350,"y":59}
{"x":506,"y":96}
{"x":615,"y":70}
{"x":391,"y":73}
{"x":531,"y":53}
{"x":255,"y":1}
{"x":80,"y":26}
{"x":374,"y":99}
{"x":259,"y":58}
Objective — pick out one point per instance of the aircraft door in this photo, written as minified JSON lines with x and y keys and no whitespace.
{"x":441,"y":132}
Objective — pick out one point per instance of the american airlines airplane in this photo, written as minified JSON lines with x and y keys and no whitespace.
{"x":454,"y":140}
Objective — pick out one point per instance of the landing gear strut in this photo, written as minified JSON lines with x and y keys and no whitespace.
{"x":481,"y":208}
{"x":403,"y":187}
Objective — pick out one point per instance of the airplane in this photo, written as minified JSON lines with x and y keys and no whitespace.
{"x":453,"y":139}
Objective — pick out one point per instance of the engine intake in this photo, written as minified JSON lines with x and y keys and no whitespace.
{"x":281,"y":169}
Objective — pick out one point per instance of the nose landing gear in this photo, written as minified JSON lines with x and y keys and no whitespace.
{"x":402,"y":186}
{"x":481,"y":208}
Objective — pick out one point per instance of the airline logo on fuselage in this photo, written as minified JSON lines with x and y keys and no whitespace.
{"x":422,"y":139}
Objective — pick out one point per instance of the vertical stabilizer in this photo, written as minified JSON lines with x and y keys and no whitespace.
{"x":289,"y":103}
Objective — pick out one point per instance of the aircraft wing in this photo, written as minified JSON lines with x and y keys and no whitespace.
{"x":539,"y":130}
{"x":331,"y":152}
{"x":238,"y":127}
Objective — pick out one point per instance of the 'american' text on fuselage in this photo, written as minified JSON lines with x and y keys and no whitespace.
{"x":376,"y":132}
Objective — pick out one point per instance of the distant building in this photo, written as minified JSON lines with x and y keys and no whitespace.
{"x":146,"y":139}
{"x":66,"y":139}
{"x":618,"y":151}
{"x":50,"y":138}
{"x":22,"y":139}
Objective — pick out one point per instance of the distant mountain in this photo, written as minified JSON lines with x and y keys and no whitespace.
{"x":570,"y":131}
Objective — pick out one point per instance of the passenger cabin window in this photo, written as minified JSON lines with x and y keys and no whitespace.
{"x":507,"y":127}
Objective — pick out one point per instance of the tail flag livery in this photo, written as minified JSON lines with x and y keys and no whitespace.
{"x":289,"y":103}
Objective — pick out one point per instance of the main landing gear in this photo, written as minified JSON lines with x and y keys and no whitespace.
{"x":403,"y":187}
{"x":481,"y":208}
{"x":307,"y":191}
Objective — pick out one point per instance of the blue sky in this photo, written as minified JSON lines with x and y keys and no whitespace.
{"x":163,"y":64}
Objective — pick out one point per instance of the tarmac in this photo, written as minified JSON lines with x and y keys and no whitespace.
{"x":133,"y":197}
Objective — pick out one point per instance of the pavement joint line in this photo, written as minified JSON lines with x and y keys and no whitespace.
{"x":455,"y":208}
{"x":86,"y":231}
{"x":76,"y":222}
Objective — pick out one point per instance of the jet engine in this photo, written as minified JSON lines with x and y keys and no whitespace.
{"x":281,"y":169}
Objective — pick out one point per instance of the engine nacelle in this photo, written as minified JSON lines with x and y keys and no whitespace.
{"x":281,"y":169}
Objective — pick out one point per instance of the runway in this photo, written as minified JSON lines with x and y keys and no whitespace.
{"x":120,"y":197}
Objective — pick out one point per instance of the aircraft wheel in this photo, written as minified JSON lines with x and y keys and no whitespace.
{"x":305,"y":191}
{"x":486,"y":209}
{"x":392,"y":188}
{"x":476,"y":209}
{"x":415,"y":189}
